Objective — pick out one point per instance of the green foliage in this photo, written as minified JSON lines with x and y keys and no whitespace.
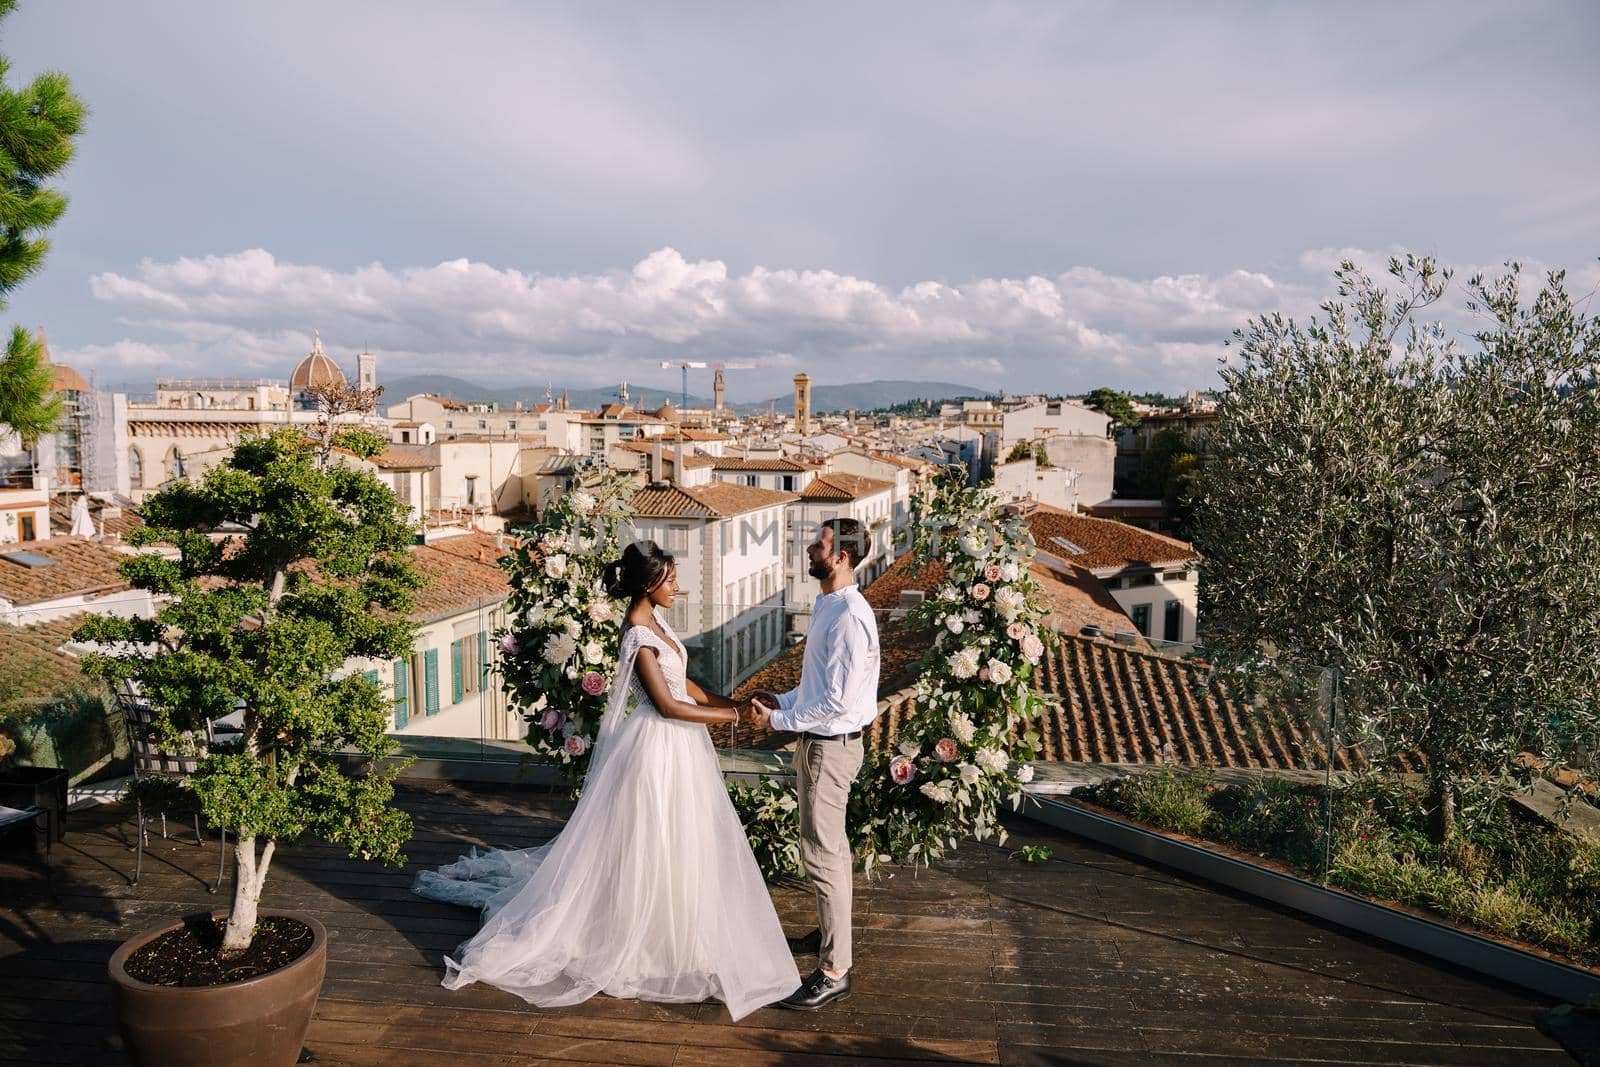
{"x":1505,"y":872}
{"x":1423,"y":517}
{"x":1020,"y":450}
{"x":39,"y":126}
{"x":770,"y":815}
{"x":286,"y":569}
{"x":1172,"y":799}
{"x":1034,"y":853}
{"x":1119,"y":406}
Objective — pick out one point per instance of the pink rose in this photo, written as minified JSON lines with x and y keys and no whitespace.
{"x":1015,"y":631}
{"x":576,"y":745}
{"x":594,"y":683}
{"x":552,"y":720}
{"x":991,"y":573}
{"x":983,"y":674}
{"x":946,"y":750}
{"x":902,"y":770}
{"x":980,"y":592}
{"x":1032,"y":647}
{"x":509,"y":644}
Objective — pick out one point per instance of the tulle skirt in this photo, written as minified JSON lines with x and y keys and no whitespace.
{"x":649,"y":892}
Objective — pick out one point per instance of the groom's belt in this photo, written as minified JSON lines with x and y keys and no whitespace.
{"x":851,"y":736}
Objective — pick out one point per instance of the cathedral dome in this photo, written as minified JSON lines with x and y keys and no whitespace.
{"x":315,"y":370}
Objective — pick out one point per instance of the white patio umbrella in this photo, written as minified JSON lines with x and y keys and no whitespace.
{"x":82,"y":524}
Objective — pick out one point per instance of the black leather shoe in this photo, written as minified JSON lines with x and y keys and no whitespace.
{"x":816,"y":991}
{"x":807,"y":945}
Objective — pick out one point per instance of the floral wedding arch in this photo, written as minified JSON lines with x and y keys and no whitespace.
{"x":967,"y":747}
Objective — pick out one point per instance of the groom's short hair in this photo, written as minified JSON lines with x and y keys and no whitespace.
{"x":849,"y":536}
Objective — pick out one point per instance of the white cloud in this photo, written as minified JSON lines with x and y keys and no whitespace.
{"x":251,"y":313}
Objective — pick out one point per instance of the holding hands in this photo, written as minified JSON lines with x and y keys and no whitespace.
{"x":757,"y":710}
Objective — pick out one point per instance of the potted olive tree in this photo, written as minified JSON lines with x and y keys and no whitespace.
{"x":290,"y":560}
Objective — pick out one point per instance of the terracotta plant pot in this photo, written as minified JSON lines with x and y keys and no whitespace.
{"x":260,"y":1021}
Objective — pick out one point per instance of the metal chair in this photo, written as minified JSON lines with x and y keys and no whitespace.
{"x":152,"y":764}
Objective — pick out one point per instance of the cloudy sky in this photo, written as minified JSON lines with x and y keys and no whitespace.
{"x":1031,"y":196}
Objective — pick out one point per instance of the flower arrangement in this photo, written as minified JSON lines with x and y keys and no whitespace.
{"x":971,"y":741}
{"x":558,"y":652}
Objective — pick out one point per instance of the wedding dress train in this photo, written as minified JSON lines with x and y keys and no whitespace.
{"x":650,"y":890}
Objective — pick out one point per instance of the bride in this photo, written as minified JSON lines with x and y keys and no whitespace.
{"x":650,"y":891}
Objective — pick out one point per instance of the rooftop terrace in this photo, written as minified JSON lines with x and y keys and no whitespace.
{"x":1089,"y":958}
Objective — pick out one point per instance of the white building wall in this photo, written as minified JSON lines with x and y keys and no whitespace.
{"x":1172,"y":585}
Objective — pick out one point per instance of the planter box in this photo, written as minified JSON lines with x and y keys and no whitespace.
{"x":44,"y":788}
{"x":1430,"y":937}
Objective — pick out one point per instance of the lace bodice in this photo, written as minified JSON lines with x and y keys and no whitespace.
{"x":672,"y":657}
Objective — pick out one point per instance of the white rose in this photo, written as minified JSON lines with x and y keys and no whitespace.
{"x":558,"y":648}
{"x":936,"y":791}
{"x":961,"y":728}
{"x":993,"y":760}
{"x":572,"y":627}
{"x":600,"y":611}
{"x":999,"y":671}
{"x":969,"y":773}
{"x":535,"y":616}
{"x":555,"y":566}
{"x":1008,"y":602}
{"x":594,"y":652}
{"x":954,"y":624}
{"x":1025,"y":773}
{"x":1008,"y":571}
{"x":973,"y":544}
{"x":972,"y":615}
{"x":582,"y":502}
{"x":949,"y":592}
{"x":964,"y":664}
{"x":910,"y":749}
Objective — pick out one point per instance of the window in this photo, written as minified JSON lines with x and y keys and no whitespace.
{"x":402,"y":693}
{"x":449,"y":424}
{"x":135,"y":469}
{"x":430,"y":681}
{"x":511,"y":424}
{"x":677,"y":539}
{"x":1172,"y":627}
{"x":1174,"y":576}
{"x":1134,"y":581}
{"x":1141,"y":618}
{"x":29,"y":531}
{"x":788,"y":483}
{"x":483,"y":424}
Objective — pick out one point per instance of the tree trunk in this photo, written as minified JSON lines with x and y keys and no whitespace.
{"x":250,"y":874}
{"x":1442,"y":813}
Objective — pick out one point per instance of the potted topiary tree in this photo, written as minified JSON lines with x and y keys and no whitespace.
{"x":290,"y":561}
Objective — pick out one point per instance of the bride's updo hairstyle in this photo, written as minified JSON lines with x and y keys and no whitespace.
{"x":643,"y":566}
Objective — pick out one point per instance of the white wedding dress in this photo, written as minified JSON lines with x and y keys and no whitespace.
{"x":650,"y":891}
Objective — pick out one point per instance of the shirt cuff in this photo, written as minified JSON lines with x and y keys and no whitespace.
{"x":780,"y":721}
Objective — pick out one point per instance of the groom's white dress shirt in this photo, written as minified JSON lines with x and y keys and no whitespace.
{"x":838,"y":690}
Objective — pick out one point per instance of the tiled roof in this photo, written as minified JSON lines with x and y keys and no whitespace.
{"x":398,"y":457}
{"x":1120,"y":705}
{"x":462,"y":573}
{"x":1106,"y":543}
{"x":717,"y":500}
{"x":776,"y":466}
{"x":843,"y":487}
{"x":32,"y":662}
{"x":78,"y":567}
{"x":1073,"y":597}
{"x":691,"y":460}
{"x":123,"y":520}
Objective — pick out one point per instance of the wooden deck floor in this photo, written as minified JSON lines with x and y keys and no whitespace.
{"x":1092,"y":958}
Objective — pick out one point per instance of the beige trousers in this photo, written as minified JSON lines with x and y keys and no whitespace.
{"x":825,"y":771}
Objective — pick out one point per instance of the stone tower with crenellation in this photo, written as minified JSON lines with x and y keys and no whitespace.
{"x":802,"y":403}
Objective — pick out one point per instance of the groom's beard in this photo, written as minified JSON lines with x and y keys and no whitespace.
{"x":820,"y":570}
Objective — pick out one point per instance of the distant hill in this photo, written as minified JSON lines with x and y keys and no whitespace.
{"x":862,"y":396}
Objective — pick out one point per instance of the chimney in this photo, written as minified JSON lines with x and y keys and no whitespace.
{"x":677,"y":462}
{"x":716,"y":388}
{"x":802,"y":403}
{"x":655,"y":459}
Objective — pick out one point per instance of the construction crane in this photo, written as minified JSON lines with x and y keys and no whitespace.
{"x":685,"y":365}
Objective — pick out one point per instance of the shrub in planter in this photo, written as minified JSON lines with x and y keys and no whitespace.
{"x":290,"y":561}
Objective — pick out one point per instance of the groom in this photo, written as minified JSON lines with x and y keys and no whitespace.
{"x":836,"y":700}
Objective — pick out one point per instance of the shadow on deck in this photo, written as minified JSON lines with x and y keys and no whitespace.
{"x":1090,"y":958}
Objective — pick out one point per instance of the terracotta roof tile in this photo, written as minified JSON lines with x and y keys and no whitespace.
{"x":777,"y":466}
{"x":1106,"y":544}
{"x":844,"y":487}
{"x":32,"y":661}
{"x":120,"y":517}
{"x":398,"y":457}
{"x":77,"y":567}
{"x":462,"y":572}
{"x":717,"y":500}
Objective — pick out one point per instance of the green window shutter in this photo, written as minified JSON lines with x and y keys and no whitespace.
{"x":402,"y":693}
{"x":430,"y":681}
{"x":483,"y":659}
{"x":457,"y":689}
{"x":371,"y":676}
